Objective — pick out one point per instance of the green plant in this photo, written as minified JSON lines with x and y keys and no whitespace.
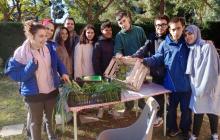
{"x":66,"y":89}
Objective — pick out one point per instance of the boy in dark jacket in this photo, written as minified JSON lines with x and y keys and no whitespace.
{"x":150,"y":47}
{"x":102,"y":54}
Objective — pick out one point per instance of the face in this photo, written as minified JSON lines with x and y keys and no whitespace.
{"x":90,"y":34}
{"x":39,"y":39}
{"x":161,"y":27}
{"x":124,"y":23}
{"x":176,"y":30}
{"x":50,"y":31}
{"x":64,"y":34}
{"x":107,"y":32}
{"x":69,"y":24}
{"x":190,"y":38}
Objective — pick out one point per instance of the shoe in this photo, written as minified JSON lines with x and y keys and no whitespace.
{"x":193,"y":137}
{"x":214,"y":137}
{"x":173,"y":133}
{"x":100,"y":113}
{"x":185,"y":135}
{"x":158,"y":122}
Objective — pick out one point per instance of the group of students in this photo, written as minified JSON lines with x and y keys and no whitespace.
{"x":179,"y":59}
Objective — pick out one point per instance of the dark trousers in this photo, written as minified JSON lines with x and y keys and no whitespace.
{"x":186,"y":115}
{"x":35,"y":117}
{"x":160,"y":100}
{"x":197,"y":123}
{"x":130,"y":104}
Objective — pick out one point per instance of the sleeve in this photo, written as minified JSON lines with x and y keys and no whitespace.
{"x":209,"y":69}
{"x":142,"y":52}
{"x":78,"y":61}
{"x":96,"y":59}
{"x":60,"y":67}
{"x":144,"y":38}
{"x":118,"y":48}
{"x":20,"y":72}
{"x":157,"y":59}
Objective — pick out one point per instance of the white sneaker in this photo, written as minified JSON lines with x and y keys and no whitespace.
{"x":158,"y":122}
{"x":100,"y":113}
{"x":214,"y":137}
{"x":193,"y":137}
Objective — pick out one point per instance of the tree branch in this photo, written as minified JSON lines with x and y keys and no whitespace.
{"x":102,"y":9}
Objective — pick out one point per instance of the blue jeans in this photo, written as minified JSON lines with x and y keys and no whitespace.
{"x":186,"y":115}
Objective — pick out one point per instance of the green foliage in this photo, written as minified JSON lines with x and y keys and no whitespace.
{"x":11,"y":35}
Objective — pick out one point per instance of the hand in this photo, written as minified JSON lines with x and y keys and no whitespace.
{"x":35,"y":61}
{"x":209,"y":42}
{"x":118,"y":55}
{"x":65,"y":78}
{"x":140,"y":60}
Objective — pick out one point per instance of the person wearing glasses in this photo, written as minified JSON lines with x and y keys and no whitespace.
{"x":150,"y":47}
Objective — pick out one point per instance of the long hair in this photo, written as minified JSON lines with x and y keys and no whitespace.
{"x":58,"y":39}
{"x":83,"y":38}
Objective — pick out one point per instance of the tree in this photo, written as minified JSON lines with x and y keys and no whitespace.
{"x":6,"y":10}
{"x":89,"y":9}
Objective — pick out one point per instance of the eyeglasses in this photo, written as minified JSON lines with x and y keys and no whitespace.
{"x":161,"y":25}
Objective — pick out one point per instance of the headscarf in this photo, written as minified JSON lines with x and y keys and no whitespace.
{"x":196,"y":31}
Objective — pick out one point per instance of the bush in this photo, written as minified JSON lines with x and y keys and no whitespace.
{"x":11,"y":35}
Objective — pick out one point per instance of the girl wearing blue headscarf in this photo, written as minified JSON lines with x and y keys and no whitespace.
{"x":203,"y":67}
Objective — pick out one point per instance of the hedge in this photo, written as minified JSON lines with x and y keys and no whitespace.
{"x":12,"y":36}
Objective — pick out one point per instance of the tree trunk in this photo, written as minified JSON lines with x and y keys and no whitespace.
{"x":162,"y":5}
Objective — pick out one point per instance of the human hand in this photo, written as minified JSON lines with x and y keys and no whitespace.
{"x":140,"y":60}
{"x":65,"y":78}
{"x":210,"y":42}
{"x":118,"y":55}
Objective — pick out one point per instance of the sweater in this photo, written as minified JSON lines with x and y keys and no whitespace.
{"x":83,"y":60}
{"x":128,"y":42}
{"x":102,"y":54}
{"x":25,"y":73}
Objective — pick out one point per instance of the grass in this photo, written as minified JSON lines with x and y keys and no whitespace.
{"x":11,"y":104}
{"x":13,"y":112}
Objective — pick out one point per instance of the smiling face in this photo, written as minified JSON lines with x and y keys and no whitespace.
{"x":39,"y":39}
{"x":161,"y":27}
{"x":50,"y":30}
{"x":176,"y":30}
{"x":90,"y":34}
{"x":124,"y":23}
{"x":190,"y":38}
{"x":70,"y":25}
{"x":64,"y":34}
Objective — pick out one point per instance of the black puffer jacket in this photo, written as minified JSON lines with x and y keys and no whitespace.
{"x":102,"y":54}
{"x":150,"y":47}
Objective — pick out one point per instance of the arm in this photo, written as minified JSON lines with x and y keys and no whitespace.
{"x":143,"y":35}
{"x":96,"y":59}
{"x":118,"y":48}
{"x":142,"y":52}
{"x":20,"y":72}
{"x":210,"y":65}
{"x":157,"y":59}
